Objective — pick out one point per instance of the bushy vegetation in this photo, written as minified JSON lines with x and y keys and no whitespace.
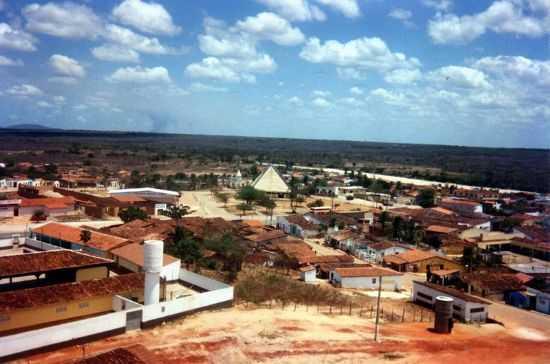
{"x":264,"y":286}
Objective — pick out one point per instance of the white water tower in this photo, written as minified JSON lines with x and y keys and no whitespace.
{"x":152,"y":264}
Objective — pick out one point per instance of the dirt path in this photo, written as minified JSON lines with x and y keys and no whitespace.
{"x":239,"y":335}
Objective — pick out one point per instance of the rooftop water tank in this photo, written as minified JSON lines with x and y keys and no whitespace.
{"x":152,"y":265}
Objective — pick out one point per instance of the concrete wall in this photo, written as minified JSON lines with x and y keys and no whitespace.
{"x":35,"y":339}
{"x":218,"y":293}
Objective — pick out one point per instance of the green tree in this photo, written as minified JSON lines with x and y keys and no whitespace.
{"x":231,"y":252}
{"x":397,"y":225}
{"x":185,"y":247}
{"x":176,"y":212}
{"x":269,"y":206}
{"x":426,"y":198}
{"x":222,"y":197}
{"x":243,"y":208}
{"x":249,"y":195}
{"x":132,"y":213}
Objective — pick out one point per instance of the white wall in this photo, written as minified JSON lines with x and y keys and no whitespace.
{"x":203,"y":282}
{"x":57,"y":334}
{"x":171,"y":272}
{"x":186,"y":304}
{"x":389,"y":283}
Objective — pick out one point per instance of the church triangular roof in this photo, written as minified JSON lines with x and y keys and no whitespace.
{"x":270,"y":181}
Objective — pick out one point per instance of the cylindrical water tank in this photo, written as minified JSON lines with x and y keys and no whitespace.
{"x":153,"y":255}
{"x":443,"y":314}
{"x":152,"y":265}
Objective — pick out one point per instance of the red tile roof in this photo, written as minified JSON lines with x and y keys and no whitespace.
{"x":410,"y":256}
{"x":71,"y":234}
{"x":366,"y":272}
{"x":135,"y":254}
{"x":13,"y":265}
{"x":49,"y":202}
{"x":68,"y":292}
{"x":440,"y":229}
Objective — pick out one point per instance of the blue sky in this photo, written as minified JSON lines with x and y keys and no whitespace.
{"x":420,"y":71}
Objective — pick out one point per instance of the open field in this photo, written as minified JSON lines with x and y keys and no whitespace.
{"x":522,"y":169}
{"x":240,"y":335}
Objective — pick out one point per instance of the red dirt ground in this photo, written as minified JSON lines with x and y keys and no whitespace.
{"x":273,"y":336}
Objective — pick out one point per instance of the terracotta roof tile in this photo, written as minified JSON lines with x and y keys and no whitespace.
{"x":13,"y":265}
{"x":135,"y":254}
{"x":67,"y":292}
{"x":71,"y":234}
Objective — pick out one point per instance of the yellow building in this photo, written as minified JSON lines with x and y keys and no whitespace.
{"x":419,"y":261}
{"x":41,"y":306}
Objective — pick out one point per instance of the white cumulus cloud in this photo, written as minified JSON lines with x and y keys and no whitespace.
{"x":270,"y":26}
{"x":140,"y":75}
{"x":148,"y":17}
{"x":503,"y":16}
{"x":16,"y":39}
{"x":66,"y":20}
{"x":115,"y":53}
{"x":459,"y":76}
{"x":349,"y":8}
{"x":295,"y":10}
{"x":24,"y":90}
{"x":66,"y":66}
{"x":367,"y":53}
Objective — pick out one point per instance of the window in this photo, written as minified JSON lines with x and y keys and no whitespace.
{"x":84,"y":305}
{"x":374,"y":281}
{"x":476,"y":310}
{"x":61,"y":309}
{"x":425,"y":296}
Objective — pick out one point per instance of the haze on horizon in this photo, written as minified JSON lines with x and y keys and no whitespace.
{"x":423,"y":71}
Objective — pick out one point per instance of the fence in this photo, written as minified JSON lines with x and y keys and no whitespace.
{"x":390,"y":313}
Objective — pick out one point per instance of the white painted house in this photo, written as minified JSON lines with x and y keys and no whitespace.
{"x":308,"y":274}
{"x":366,"y":278}
{"x":542,"y":300}
{"x":376,"y":252}
{"x":297,"y":225}
{"x":466,"y":307}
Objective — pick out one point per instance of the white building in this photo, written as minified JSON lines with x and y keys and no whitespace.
{"x":542,"y":300}
{"x":297,"y":225}
{"x":376,"y":252}
{"x":308,"y":274}
{"x":466,"y":307}
{"x":271,"y":182}
{"x":366,"y":278}
{"x":149,"y":193}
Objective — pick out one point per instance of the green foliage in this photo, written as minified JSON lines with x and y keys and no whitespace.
{"x":222,"y":197}
{"x":426,"y":198}
{"x":231,"y":252}
{"x":176,"y":212}
{"x":132,"y":213}
{"x":249,"y":194}
{"x":184,"y":247}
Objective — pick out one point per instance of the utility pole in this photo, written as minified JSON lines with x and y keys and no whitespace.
{"x":378,"y":308}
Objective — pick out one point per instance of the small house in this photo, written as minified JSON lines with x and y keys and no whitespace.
{"x":366,"y":278}
{"x":308,"y":274}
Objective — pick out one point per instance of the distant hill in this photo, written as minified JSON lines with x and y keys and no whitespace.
{"x":28,"y":127}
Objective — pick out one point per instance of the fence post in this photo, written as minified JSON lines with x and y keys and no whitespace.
{"x":403,"y":315}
